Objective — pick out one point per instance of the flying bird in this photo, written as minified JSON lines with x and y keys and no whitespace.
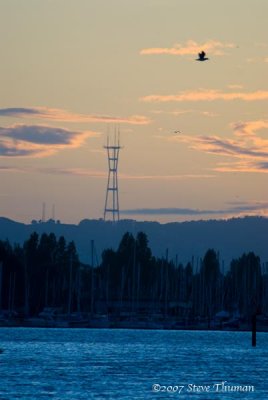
{"x":202,"y":56}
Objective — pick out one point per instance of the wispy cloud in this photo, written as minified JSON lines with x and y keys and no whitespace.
{"x":225,"y":147}
{"x":167,"y":177}
{"x":54,"y":171}
{"x":257,"y":60}
{"x":247,"y":151}
{"x":166,"y":211}
{"x":175,"y":113}
{"x":55,"y":114}
{"x":249,"y":128}
{"x":235,"y":86}
{"x":38,"y":140}
{"x":7,"y":168}
{"x":242,"y":208}
{"x":261,"y":44}
{"x":243,"y":166}
{"x":74,"y":171}
{"x":102,"y":174}
{"x":189,"y":48}
{"x":206,"y":95}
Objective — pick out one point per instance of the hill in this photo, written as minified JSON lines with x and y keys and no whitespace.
{"x":231,"y":238}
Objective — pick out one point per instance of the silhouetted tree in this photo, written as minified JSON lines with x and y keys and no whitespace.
{"x":210,"y":278}
{"x":244,"y":286}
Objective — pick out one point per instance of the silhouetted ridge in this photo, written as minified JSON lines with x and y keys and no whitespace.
{"x":187,"y":239}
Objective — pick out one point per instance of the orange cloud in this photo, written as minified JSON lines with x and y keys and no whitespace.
{"x":101,"y":174}
{"x":249,"y":128}
{"x":249,"y":150}
{"x":243,"y":166}
{"x":207,"y":95}
{"x":56,"y":114}
{"x":209,"y":114}
{"x":166,"y":177}
{"x":38,"y":140}
{"x":191,"y":47}
{"x":235,"y":86}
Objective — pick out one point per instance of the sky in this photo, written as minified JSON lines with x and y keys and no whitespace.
{"x":194,"y":135}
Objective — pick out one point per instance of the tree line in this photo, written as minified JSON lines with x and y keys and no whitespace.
{"x":46,"y":272}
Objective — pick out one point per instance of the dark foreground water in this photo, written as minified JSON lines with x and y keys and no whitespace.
{"x":78,"y":364}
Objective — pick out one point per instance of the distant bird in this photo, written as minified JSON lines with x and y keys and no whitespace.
{"x":177,"y":131}
{"x":202,"y":56}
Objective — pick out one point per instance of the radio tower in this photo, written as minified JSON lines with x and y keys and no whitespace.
{"x":111,"y":200}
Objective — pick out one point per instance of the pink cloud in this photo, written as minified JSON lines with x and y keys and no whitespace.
{"x":247,"y":151}
{"x":190,"y":48}
{"x":38,"y":140}
{"x":166,"y":177}
{"x":235,"y":86}
{"x":243,"y":166}
{"x":182,"y":112}
{"x":207,"y":95}
{"x":56,"y":114}
{"x":102,"y":174}
{"x":249,"y":128}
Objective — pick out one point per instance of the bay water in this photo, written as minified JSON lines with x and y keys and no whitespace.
{"x":76,"y":364}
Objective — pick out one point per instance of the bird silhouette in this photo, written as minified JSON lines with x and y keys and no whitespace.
{"x":202,"y":56}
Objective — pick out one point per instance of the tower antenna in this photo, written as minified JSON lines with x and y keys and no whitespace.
{"x":43,"y":212}
{"x":53,"y":212}
{"x":112,"y":199}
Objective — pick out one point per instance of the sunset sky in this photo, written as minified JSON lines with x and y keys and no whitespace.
{"x":194,"y":134}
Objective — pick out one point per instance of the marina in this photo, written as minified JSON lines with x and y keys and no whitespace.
{"x":53,"y":318}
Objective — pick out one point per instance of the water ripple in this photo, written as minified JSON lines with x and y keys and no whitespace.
{"x":87,"y":364}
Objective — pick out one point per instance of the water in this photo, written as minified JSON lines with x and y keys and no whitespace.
{"x":103,"y":364}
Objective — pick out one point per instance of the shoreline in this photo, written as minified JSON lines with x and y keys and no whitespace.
{"x":132,"y":325}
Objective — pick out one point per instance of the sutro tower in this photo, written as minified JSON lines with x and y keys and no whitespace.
{"x":112,"y":200}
